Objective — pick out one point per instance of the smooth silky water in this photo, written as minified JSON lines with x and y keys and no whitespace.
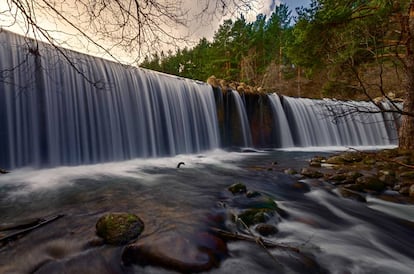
{"x":341,"y":235}
{"x":83,"y":150}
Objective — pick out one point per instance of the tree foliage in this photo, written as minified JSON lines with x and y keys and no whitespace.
{"x":110,"y":26}
{"x":359,"y":43}
{"x":240,"y":50}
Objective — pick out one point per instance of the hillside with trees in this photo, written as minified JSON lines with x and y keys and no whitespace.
{"x":329,"y":50}
{"x":251,"y":52}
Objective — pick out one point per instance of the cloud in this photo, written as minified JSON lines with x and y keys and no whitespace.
{"x":199,"y":27}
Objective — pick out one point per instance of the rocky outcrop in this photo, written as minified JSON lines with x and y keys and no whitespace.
{"x":366,"y":172}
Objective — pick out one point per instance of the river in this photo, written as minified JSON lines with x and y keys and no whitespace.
{"x":339,"y":235}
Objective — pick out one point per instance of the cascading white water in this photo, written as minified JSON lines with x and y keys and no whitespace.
{"x":244,"y":122}
{"x":282,"y":129}
{"x":333,"y":123}
{"x":51,"y":114}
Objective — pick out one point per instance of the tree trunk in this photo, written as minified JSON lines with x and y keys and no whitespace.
{"x":406,"y":132}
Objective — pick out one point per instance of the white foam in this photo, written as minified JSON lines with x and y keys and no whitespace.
{"x":335,"y":148}
{"x":35,"y":179}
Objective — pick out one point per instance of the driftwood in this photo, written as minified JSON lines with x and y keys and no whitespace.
{"x":244,"y":237}
{"x":22,"y":224}
{"x":26,"y":228}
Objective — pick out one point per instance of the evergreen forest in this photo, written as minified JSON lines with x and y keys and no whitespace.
{"x":341,"y":49}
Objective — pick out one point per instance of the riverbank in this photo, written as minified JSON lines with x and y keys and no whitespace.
{"x":388,"y":174}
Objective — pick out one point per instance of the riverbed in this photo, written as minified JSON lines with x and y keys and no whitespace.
{"x":339,"y":235}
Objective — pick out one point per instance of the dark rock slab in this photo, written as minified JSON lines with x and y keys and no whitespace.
{"x":185,"y":253}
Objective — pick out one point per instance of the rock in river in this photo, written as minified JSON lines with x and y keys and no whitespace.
{"x":185,"y":253}
{"x":119,"y":228}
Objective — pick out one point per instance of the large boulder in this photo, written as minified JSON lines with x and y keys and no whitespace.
{"x":182,"y":252}
{"x":119,"y":228}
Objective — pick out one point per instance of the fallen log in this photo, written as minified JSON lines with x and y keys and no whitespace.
{"x":21,"y":224}
{"x":34,"y":225}
{"x":265,"y":243}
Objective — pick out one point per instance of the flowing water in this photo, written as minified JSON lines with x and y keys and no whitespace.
{"x":108,"y":138}
{"x":244,"y":122}
{"x":341,"y":235}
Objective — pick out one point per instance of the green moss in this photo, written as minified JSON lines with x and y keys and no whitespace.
{"x":237,"y":188}
{"x":119,"y":228}
{"x":255,"y":215}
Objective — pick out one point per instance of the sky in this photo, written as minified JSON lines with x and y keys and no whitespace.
{"x":195,"y":30}
{"x":264,"y":7}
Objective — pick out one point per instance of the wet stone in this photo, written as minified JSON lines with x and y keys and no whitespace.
{"x":411,"y":191}
{"x":290,"y":171}
{"x":370,"y":182}
{"x":237,"y":188}
{"x":404,"y":190}
{"x":255,"y":215}
{"x":315,"y":164}
{"x":301,"y":186}
{"x":185,"y":253}
{"x":266,"y":229}
{"x":407,"y":175}
{"x":351,"y":194}
{"x":119,"y":228}
{"x":311,"y":173}
{"x":252,"y":194}
{"x":337,"y":177}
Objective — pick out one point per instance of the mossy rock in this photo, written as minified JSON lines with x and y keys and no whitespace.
{"x":237,"y":188}
{"x":370,"y":160}
{"x":318,"y":159}
{"x":290,"y":171}
{"x":345,"y":158}
{"x":315,"y":164}
{"x":335,"y":160}
{"x":411,"y":191}
{"x":311,"y":173}
{"x":119,"y":228}
{"x":388,"y":153}
{"x":354,"y":187}
{"x":337,"y":177}
{"x":407,"y":175}
{"x":252,"y":194}
{"x":352,"y":157}
{"x":353,"y":175}
{"x":351,"y":194}
{"x":254,"y":216}
{"x":371,"y":182}
{"x":386,"y":172}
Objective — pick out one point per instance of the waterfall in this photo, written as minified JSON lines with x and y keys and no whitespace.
{"x":244,"y":122}
{"x":311,"y":122}
{"x":52,"y":115}
{"x":281,"y":125}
